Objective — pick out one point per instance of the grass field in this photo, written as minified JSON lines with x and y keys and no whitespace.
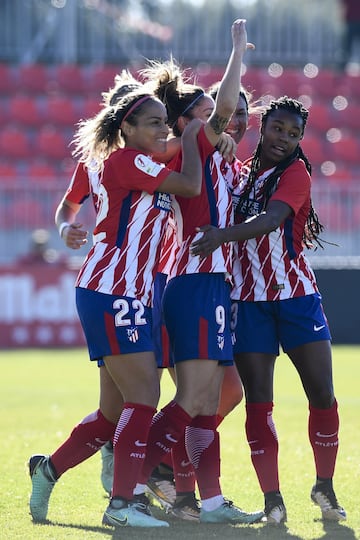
{"x":43,"y":393}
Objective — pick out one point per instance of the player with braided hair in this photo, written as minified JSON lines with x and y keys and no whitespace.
{"x":277,"y":301}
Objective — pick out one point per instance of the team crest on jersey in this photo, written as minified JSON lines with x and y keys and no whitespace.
{"x":220,"y":341}
{"x":147,"y":165}
{"x":162,"y":201}
{"x":132,"y":334}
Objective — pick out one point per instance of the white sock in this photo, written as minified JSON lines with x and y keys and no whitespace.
{"x":139,"y":489}
{"x":213,"y":503}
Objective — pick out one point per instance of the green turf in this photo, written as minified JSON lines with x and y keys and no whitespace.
{"x":44,"y":393}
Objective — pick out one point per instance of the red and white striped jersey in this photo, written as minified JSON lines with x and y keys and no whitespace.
{"x":130,"y":224}
{"x":274,"y":266}
{"x":84,"y":183}
{"x":213,"y":206}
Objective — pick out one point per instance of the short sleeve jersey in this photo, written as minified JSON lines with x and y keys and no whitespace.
{"x":274,"y":266}
{"x":84,"y":183}
{"x":213,"y":206}
{"x":130,"y":224}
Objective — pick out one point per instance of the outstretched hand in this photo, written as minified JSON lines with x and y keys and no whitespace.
{"x":211,"y":240}
{"x":239,"y":35}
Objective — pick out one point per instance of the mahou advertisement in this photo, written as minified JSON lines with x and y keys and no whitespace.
{"x":37,"y":307}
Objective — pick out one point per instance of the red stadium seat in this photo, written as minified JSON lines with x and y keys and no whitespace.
{"x":34,"y":79}
{"x":8,"y":82}
{"x":61,"y":111}
{"x":320,"y":117}
{"x":40,"y":170}
{"x":25,"y":110}
{"x":325,"y":84}
{"x":101,"y":78}
{"x":314,"y":148}
{"x":348,"y":118}
{"x":8,"y":172}
{"x":345,"y":150}
{"x":14,"y":143}
{"x":89,"y":107}
{"x":69,"y":78}
{"x":52,"y":144}
{"x":26,"y":212}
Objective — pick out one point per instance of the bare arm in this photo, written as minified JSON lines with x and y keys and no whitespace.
{"x":254,"y":227}
{"x":70,"y":231}
{"x":229,"y":89}
{"x":186,"y":183}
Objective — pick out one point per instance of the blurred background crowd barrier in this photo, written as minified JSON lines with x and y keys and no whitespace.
{"x":57,"y":56}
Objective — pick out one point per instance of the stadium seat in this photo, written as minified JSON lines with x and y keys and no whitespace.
{"x":7,"y":79}
{"x":89,"y":107}
{"x":69,"y":79}
{"x":34,"y":78}
{"x":349,"y":117}
{"x":346,"y":150}
{"x":320,"y":116}
{"x":325,"y":84}
{"x":61,"y":111}
{"x":8,"y":172}
{"x":26,"y":212}
{"x":313,"y":148}
{"x":14,"y":143}
{"x":41,"y":170}
{"x":101,"y":78}
{"x":24,"y":110}
{"x":52,"y":144}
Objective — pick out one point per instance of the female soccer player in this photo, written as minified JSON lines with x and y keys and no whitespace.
{"x":278,"y":302}
{"x":197,"y":297}
{"x":114,"y":290}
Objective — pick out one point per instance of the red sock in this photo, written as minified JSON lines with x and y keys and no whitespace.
{"x":323,"y":435}
{"x":85,"y":439}
{"x":166,"y":430}
{"x":184,"y":473}
{"x":130,"y":444}
{"x":262,"y":439}
{"x":167,"y":459}
{"x":203,"y":448}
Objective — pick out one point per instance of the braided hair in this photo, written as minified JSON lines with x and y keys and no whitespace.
{"x":313,"y":227}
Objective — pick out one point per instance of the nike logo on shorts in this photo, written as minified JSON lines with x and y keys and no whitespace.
{"x":318,"y":328}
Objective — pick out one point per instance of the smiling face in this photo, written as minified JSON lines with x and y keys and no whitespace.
{"x":239,"y":121}
{"x":282,"y":131}
{"x":149,"y":135}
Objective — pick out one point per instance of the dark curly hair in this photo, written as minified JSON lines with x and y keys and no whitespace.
{"x":313,"y":227}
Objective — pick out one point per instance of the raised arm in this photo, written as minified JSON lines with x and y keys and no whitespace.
{"x":187,"y":182}
{"x":229,"y":88}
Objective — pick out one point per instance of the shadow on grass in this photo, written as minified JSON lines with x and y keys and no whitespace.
{"x":337,"y":531}
{"x":179,"y":530}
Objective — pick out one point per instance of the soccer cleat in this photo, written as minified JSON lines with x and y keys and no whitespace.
{"x":107,"y":467}
{"x":228,"y":513}
{"x":275,"y":511}
{"x":141,"y":503}
{"x":275,"y":514}
{"x":187,"y":508}
{"x":162,"y":488}
{"x":330,"y":508}
{"x":43,"y":481}
{"x":130,"y":514}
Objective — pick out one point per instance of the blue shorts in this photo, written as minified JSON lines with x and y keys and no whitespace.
{"x":264,"y":326}
{"x":197,"y":311}
{"x":113,"y":324}
{"x":163,"y":355}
